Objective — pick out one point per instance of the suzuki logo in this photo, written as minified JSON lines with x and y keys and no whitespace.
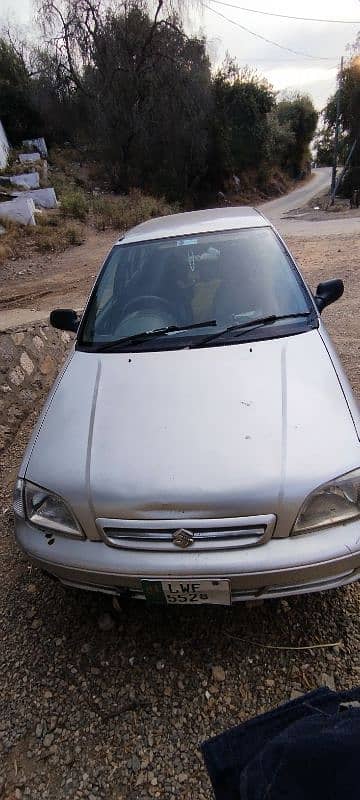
{"x":183,"y":538}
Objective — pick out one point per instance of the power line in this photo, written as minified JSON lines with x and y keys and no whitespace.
{"x":287,"y":16}
{"x":264,"y":39}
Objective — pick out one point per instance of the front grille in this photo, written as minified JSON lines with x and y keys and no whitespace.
{"x":206,"y":535}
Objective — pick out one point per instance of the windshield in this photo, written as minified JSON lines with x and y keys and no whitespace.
{"x":224,"y":278}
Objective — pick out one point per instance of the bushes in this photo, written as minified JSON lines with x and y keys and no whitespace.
{"x":74,"y":203}
{"x":51,"y":238}
{"x":122,"y":213}
{"x":51,"y":234}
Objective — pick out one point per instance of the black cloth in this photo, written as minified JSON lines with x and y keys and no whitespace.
{"x":306,"y":749}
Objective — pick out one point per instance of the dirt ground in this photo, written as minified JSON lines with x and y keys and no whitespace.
{"x":44,"y":281}
{"x":336,"y":257}
{"x":119,"y":713}
{"x":319,"y":210}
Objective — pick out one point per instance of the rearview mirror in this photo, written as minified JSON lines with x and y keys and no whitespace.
{"x":328,"y":292}
{"x":66,"y":319}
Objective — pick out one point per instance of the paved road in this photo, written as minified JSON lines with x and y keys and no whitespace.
{"x":320,"y":180}
{"x":275,"y":210}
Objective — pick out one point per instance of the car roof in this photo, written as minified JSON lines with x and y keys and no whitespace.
{"x":192,"y":222}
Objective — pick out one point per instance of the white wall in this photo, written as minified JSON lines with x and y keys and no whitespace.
{"x":4,"y":147}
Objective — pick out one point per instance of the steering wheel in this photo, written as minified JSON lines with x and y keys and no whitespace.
{"x":147,"y":301}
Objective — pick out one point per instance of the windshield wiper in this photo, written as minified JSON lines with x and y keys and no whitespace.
{"x":144,"y":336}
{"x":245,"y":326}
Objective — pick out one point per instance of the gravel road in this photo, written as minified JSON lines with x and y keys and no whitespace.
{"x":98,"y":703}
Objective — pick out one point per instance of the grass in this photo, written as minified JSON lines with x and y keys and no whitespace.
{"x":74,"y":204}
{"x":122,"y":213}
{"x":58,"y":229}
{"x":50,"y":238}
{"x":50,"y":235}
{"x":74,"y":181}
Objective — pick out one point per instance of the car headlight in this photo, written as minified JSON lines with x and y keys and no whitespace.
{"x":44,"y":509}
{"x":334,"y":502}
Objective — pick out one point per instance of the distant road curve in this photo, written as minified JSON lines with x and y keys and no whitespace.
{"x":320,"y":180}
{"x":275,"y":209}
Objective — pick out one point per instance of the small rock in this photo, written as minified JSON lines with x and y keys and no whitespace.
{"x":39,"y":730}
{"x":218,"y":674}
{"x":18,"y":794}
{"x":269,"y":682}
{"x":39,"y":344}
{"x":16,"y":376}
{"x":328,"y":680}
{"x":36,"y":624}
{"x":135,"y":764}
{"x":294,"y":694}
{"x":160,"y":665}
{"x":26,"y":363}
{"x":48,"y":739}
{"x":105,"y":622}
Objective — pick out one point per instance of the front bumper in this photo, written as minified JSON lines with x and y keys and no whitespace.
{"x":296,"y":565}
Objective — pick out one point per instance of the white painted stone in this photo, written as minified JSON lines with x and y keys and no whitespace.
{"x":4,"y":147}
{"x":29,"y":180}
{"x":43,"y":198}
{"x":37,"y":144}
{"x":21,"y":210}
{"x":29,"y":157}
{"x":26,"y":363}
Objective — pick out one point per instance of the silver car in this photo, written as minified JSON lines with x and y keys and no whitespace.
{"x":201,"y":444}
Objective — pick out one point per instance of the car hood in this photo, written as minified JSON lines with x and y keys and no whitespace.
{"x":216,"y":432}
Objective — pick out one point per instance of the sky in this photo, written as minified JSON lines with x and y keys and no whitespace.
{"x":325,"y":42}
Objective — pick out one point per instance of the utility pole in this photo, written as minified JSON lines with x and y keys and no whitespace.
{"x":337,"y":129}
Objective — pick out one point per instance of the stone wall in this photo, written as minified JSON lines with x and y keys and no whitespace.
{"x":30,"y":358}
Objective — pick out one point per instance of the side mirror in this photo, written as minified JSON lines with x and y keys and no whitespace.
{"x":328,"y":292}
{"x":65,"y":319}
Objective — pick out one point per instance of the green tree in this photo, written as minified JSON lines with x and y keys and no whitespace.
{"x":17,"y":111}
{"x":297,"y":113}
{"x":349,"y":121}
{"x":144,"y":87}
{"x":239,"y":131}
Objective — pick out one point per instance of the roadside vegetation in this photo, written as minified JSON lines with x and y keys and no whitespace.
{"x":78,"y":212}
{"x":137,"y":98}
{"x":137,"y":122}
{"x":349,"y":142}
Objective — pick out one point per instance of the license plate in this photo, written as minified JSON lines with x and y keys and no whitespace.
{"x":213,"y":592}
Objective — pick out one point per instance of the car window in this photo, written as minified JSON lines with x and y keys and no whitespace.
{"x":229,"y":277}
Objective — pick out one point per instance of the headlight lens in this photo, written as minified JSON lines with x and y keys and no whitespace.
{"x":334,"y":502}
{"x":44,"y":509}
